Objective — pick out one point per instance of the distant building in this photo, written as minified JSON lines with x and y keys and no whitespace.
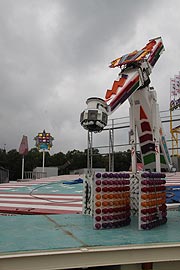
{"x":85,"y":170}
{"x":49,"y":171}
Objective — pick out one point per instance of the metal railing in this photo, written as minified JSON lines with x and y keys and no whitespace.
{"x":34,"y":175}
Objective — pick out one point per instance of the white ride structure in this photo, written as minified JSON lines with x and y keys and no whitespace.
{"x":133,"y":83}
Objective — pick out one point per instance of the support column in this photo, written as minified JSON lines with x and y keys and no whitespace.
{"x":88,"y":193}
{"x":43,"y":161}
{"x":156,"y":127}
{"x":22,"y":167}
{"x":89,"y":153}
{"x":111,"y":148}
{"x":132,"y":135}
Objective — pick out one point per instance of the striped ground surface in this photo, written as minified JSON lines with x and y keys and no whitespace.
{"x":43,"y":196}
{"x":49,"y":195}
{"x":173,"y":179}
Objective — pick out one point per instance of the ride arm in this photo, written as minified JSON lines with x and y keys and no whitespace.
{"x":135,"y":70}
{"x":130,"y":80}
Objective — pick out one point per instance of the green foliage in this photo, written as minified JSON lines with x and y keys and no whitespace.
{"x":122,"y":161}
{"x":14,"y":164}
{"x":77,"y":159}
{"x":72,"y":160}
{"x":3,"y":158}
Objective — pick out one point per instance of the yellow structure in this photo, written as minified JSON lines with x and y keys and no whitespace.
{"x":174,"y":105}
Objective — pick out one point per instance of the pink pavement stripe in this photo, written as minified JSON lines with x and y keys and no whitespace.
{"x":4,"y":188}
{"x":174,"y":184}
{"x":41,"y":206}
{"x":42,"y":196}
{"x":23,"y":203}
{"x":40,"y":203}
{"x":36,"y":211}
{"x":24,"y":185}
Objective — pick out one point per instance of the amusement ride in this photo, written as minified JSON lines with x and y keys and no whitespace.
{"x":112,"y":197}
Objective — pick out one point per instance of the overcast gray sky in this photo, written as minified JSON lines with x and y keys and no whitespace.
{"x":54,"y":54}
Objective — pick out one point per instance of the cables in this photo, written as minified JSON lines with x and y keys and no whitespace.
{"x":48,"y":200}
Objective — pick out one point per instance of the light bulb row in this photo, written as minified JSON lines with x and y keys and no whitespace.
{"x":153,"y":210}
{"x":111,"y":200}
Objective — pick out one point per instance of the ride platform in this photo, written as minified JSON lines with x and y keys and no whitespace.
{"x":68,"y":241}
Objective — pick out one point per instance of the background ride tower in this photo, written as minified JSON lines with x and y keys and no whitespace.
{"x":44,"y":142}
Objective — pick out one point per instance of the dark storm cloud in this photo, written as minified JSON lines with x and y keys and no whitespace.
{"x":55,"y":54}
{"x":90,"y":27}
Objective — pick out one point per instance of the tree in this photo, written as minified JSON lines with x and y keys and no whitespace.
{"x":14,"y":164}
{"x":72,"y":160}
{"x":98,"y":159}
{"x":77,"y":158}
{"x":122,"y":161}
{"x":3,"y":158}
{"x":33,"y":159}
{"x":57,"y":159}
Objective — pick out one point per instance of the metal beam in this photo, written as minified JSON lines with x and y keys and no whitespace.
{"x":90,"y":257}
